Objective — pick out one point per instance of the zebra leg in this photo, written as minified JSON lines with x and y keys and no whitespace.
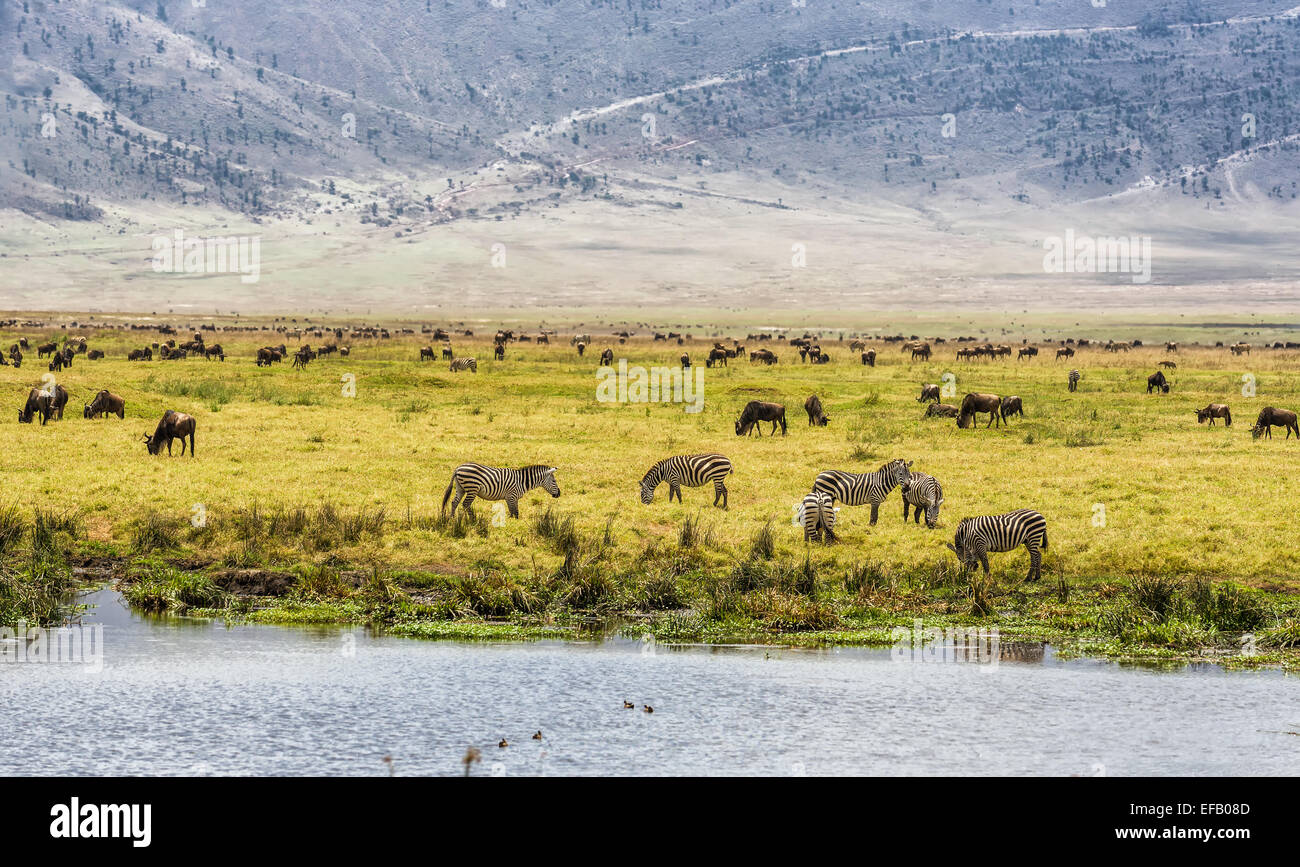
{"x":984,"y":561}
{"x":469,"y":500}
{"x":512,"y":503}
{"x":875,"y":511}
{"x":720,"y":490}
{"x":1035,"y":563}
{"x":674,"y":490}
{"x":905,"y":505}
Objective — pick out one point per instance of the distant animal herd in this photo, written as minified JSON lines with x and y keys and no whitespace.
{"x":922,"y":494}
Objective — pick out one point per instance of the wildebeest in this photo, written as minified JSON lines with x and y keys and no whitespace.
{"x":145,"y":354}
{"x":1239,"y":348}
{"x":869,"y":358}
{"x":426,"y":353}
{"x":105,"y":403}
{"x":607,"y":357}
{"x":1171,"y":347}
{"x":1027,"y":352}
{"x":1012,"y":406}
{"x":499,"y":352}
{"x":942,"y":410}
{"x":215,"y":351}
{"x":922,"y":351}
{"x":759,"y":411}
{"x":685,"y":361}
{"x":1171,"y":365}
{"x":1064,"y":352}
{"x":976,"y":402}
{"x":813,"y":406}
{"x":1157,"y":382}
{"x":929,"y":392}
{"x":1213,"y":411}
{"x":764,"y":355}
{"x":582,"y":347}
{"x":173,"y":425}
{"x":716,"y":356}
{"x":49,"y":404}
{"x":1270,"y":417}
{"x":47,"y":349}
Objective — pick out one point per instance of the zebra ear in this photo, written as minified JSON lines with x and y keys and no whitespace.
{"x":552,"y":469}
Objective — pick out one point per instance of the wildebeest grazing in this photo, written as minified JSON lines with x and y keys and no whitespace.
{"x":922,"y":352}
{"x":1012,"y":406}
{"x":813,"y":406}
{"x":684,"y":360}
{"x":929,"y":392}
{"x":497,"y":483}
{"x":173,"y":425}
{"x":105,"y":403}
{"x":607,"y":358}
{"x":582,"y":347}
{"x":941,"y":410}
{"x":1064,"y":352}
{"x":426,"y":353}
{"x":759,"y":411}
{"x":764,"y":355}
{"x":689,"y":471}
{"x":1213,"y":411}
{"x":977,"y":537}
{"x":716,"y":356}
{"x":1157,"y":382}
{"x":49,"y":404}
{"x":869,"y":358}
{"x":975,"y":403}
{"x":46,"y":349}
{"x":1271,"y":417}
{"x":817,"y":513}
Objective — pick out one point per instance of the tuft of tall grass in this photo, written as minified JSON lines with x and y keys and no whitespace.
{"x":763,"y":543}
{"x":12,"y":528}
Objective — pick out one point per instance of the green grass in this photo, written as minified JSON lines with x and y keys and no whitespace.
{"x":294,"y":474}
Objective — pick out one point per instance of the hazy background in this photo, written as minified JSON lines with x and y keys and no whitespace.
{"x":833,"y":159}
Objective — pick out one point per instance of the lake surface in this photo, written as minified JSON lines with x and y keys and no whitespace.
{"x":179,"y":696}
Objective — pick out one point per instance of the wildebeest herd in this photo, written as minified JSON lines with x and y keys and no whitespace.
{"x":922,"y":494}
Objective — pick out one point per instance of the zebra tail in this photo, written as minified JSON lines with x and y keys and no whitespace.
{"x":1044,"y":540}
{"x":446,"y":495}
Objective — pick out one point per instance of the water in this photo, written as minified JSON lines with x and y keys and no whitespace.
{"x":178,"y":696}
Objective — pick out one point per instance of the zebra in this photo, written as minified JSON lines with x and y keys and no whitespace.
{"x":976,"y":537}
{"x":1074,"y":380}
{"x":691,"y":471}
{"x":923,"y":492}
{"x":497,"y":483}
{"x":817,"y":512}
{"x":856,"y":489}
{"x":458,"y":364}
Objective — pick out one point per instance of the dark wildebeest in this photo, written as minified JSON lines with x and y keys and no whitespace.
{"x":685,"y":361}
{"x":215,"y":351}
{"x":173,"y":425}
{"x":929,"y":392}
{"x":105,"y":403}
{"x":1064,"y":352}
{"x":498,"y":352}
{"x":94,"y":355}
{"x":942,"y":410}
{"x":446,"y":352}
{"x":1157,"y":382}
{"x":764,"y":355}
{"x":48,"y":404}
{"x":1213,"y":411}
{"x":759,"y":411}
{"x":869,"y":358}
{"x":47,"y":349}
{"x":813,"y":406}
{"x":1269,"y":417}
{"x":57,"y":363}
{"x":16,"y":359}
{"x":1012,"y":406}
{"x":145,"y":354}
{"x":716,"y":356}
{"x":1171,"y":347}
{"x":607,"y":358}
{"x":426,"y":353}
{"x":1027,"y":352}
{"x":582,"y":347}
{"x":922,"y":351}
{"x":974,"y":403}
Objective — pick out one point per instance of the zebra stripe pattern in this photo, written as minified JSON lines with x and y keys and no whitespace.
{"x":458,"y":364}
{"x":1074,"y":380}
{"x":690,"y":471}
{"x":857,"y":489}
{"x":925,"y":493}
{"x":976,"y":537}
{"x":497,"y":483}
{"x":818,"y":513}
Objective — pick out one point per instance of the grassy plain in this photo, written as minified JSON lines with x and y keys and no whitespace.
{"x":1165,"y":536}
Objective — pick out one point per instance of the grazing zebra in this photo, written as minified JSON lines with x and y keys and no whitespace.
{"x":691,"y":471}
{"x":817,"y":511}
{"x":1074,"y":380}
{"x":458,"y":364}
{"x":976,"y":537}
{"x":923,"y":492}
{"x":497,"y":483}
{"x":857,"y":489}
